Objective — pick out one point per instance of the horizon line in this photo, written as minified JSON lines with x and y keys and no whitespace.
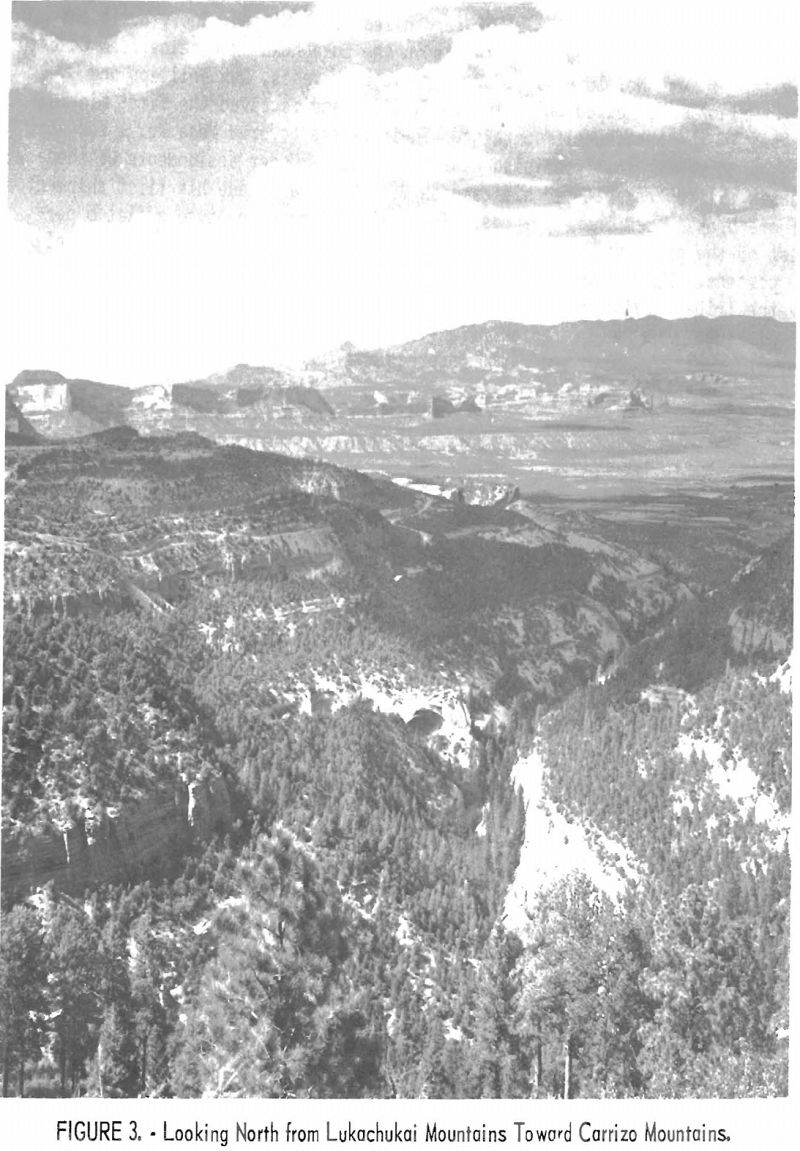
{"x":489,"y":323}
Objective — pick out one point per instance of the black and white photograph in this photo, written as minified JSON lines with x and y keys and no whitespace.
{"x":398,"y":558}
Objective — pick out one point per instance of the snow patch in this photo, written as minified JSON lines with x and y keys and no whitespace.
{"x":404,"y":933}
{"x":393,"y":697}
{"x":555,"y":847}
{"x":782,"y":676}
{"x":704,"y":746}
{"x":732,"y":778}
{"x":424,"y":489}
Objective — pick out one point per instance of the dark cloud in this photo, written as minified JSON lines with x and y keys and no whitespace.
{"x":89,"y":22}
{"x":690,"y":164}
{"x":391,"y":56}
{"x":525,"y":16}
{"x":183,"y":146}
{"x":616,"y":221}
{"x":607,"y":227}
{"x":67,"y":161}
{"x":505,"y":195}
{"x":778,"y":101}
{"x":680,"y":92}
{"x":95,"y":71}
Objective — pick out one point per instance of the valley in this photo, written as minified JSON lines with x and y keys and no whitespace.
{"x":401,"y":781}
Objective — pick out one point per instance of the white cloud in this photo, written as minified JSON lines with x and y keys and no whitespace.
{"x":358,"y":232}
{"x":146,"y":55}
{"x":407,"y":137}
{"x":329,"y":22}
{"x":138,"y":60}
{"x":617,"y":42}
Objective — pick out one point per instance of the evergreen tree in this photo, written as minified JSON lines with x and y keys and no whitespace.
{"x":23,"y":967}
{"x":495,"y":1060}
{"x":75,"y":988}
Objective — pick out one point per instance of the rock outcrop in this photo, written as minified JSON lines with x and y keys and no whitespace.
{"x":144,"y":839}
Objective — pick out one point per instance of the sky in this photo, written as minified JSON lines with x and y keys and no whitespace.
{"x":196,"y":185}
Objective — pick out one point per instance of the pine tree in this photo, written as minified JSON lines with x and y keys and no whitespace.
{"x":118,"y":1071}
{"x":75,"y":991}
{"x":564,"y":977}
{"x":23,"y":969}
{"x":496,"y":1070}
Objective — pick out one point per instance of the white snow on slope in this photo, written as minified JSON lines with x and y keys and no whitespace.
{"x":454,"y":737}
{"x":783,"y":675}
{"x":733,"y":778}
{"x":706,"y":747}
{"x":730,"y":772}
{"x":554,"y":847}
{"x":416,"y":486}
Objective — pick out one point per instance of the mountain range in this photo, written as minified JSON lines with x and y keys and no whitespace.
{"x":631,"y":404}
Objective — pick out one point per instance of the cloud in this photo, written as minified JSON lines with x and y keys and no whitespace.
{"x":771,"y":101}
{"x":485,"y":102}
{"x":484,"y":120}
{"x":779,"y":100}
{"x":269,"y":189}
{"x":606,"y":227}
{"x":87,"y":22}
{"x":676,"y":53}
{"x":704,"y":166}
{"x":512,"y":194}
{"x":147,"y":53}
{"x":526,"y":17}
{"x":188,"y":151}
{"x":137,"y":60}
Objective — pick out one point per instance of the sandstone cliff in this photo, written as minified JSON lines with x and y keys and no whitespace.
{"x":145,"y":839}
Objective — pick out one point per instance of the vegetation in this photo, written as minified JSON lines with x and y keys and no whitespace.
{"x":342,"y":931}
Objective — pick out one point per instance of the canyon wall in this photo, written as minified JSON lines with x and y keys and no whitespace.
{"x":145,"y":839}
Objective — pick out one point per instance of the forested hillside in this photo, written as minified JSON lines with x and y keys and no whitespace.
{"x":267,"y":724}
{"x":698,"y":789}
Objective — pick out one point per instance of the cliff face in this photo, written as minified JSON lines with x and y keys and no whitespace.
{"x":41,"y":393}
{"x":751,"y":636}
{"x":146,"y":839}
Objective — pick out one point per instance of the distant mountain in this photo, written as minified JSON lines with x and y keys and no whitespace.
{"x":633,"y":344}
{"x":37,"y":377}
{"x":653,"y":352}
{"x":247,"y":376}
{"x":612,"y":405}
{"x":58,"y":407}
{"x":529,"y":405}
{"x":220,"y":406}
{"x":266,"y":390}
{"x":633,"y":349}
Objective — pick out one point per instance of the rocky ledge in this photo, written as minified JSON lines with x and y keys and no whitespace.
{"x":141,"y":840}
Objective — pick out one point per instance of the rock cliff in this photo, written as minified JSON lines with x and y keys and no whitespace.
{"x":144,"y":839}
